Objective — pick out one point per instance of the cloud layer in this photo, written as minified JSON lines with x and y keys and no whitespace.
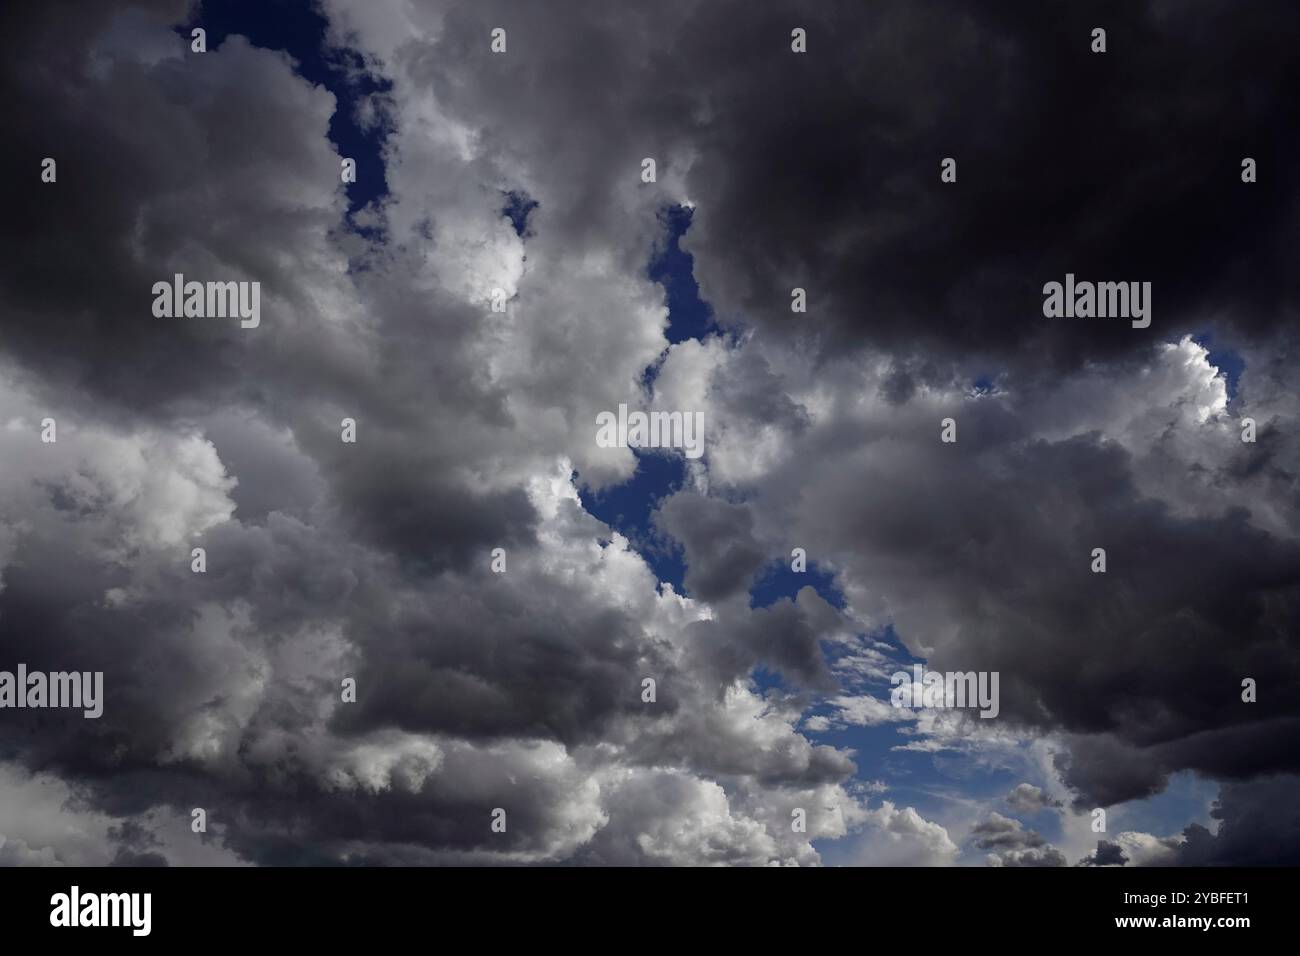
{"x":525,"y":690}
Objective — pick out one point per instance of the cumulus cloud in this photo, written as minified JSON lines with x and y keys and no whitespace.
{"x":1012,"y":845}
{"x":1026,"y":798}
{"x":523,"y":691}
{"x":1258,"y":823}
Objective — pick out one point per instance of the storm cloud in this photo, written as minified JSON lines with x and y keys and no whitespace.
{"x":510,"y":649}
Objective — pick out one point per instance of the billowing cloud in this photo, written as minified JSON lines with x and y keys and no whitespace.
{"x":613,"y":718}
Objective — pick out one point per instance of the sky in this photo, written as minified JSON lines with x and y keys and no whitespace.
{"x":497,"y":584}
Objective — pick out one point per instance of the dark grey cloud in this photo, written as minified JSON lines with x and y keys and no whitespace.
{"x":1125,"y":164}
{"x":722,"y":555}
{"x":1142,"y":665}
{"x":1010,"y":844}
{"x":1258,"y":825}
{"x":1106,"y":854}
{"x":524,"y":690}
